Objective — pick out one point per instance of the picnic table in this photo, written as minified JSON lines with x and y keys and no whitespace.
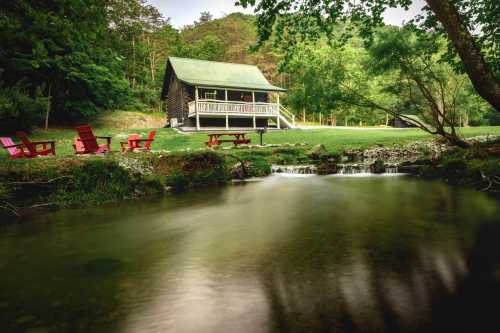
{"x":214,"y":139}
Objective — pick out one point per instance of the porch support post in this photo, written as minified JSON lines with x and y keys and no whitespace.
{"x":227,"y":116}
{"x":278,"y":121}
{"x":196,"y":108}
{"x":253,"y":108}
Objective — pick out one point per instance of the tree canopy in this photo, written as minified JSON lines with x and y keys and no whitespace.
{"x":311,"y":19}
{"x":69,"y":60}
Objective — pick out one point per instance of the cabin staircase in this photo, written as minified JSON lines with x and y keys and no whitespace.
{"x":286,"y":118}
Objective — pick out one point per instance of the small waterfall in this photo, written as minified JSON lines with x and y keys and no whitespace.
{"x":392,"y":169}
{"x":363,"y":169}
{"x":343,"y":169}
{"x":353,"y":169}
{"x":295,"y":169}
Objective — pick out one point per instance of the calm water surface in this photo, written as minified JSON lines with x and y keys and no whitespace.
{"x":312,"y":254}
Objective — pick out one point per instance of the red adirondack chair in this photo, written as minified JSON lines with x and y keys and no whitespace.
{"x":14,"y":150}
{"x":48,"y":147}
{"x":86,"y":142}
{"x":135,"y":141}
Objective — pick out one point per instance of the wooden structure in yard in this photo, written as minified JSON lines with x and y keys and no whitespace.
{"x":214,"y":139}
{"x":407,"y":120}
{"x":204,"y":95}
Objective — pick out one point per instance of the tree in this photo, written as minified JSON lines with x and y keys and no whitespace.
{"x":205,"y":17}
{"x":309,"y":19}
{"x":422,"y":84}
{"x":58,"y":49}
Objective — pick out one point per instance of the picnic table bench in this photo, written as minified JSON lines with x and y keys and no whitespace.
{"x":214,"y":139}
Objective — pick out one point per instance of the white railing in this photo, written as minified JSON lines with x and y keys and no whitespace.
{"x":288,"y":116}
{"x":212,"y":107}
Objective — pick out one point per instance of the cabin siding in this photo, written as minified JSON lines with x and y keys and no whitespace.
{"x":174,"y":100}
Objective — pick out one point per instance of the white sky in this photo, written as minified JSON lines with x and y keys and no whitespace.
{"x":184,"y":12}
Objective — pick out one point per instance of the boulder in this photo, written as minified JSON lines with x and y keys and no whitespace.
{"x":378,"y":166}
{"x":317,"y":151}
{"x":327,"y":168}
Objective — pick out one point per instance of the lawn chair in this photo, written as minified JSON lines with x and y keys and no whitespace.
{"x":135,"y":141}
{"x":15,"y":151}
{"x":86,"y":142}
{"x":48,"y":147}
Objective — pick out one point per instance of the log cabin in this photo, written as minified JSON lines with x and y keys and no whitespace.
{"x":209,"y":95}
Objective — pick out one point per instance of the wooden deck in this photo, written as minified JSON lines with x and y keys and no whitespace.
{"x":222,"y":108}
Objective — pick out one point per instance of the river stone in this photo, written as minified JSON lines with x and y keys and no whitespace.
{"x":378,"y":166}
{"x":327,"y":168}
{"x":237,"y":171}
{"x":317,"y":151}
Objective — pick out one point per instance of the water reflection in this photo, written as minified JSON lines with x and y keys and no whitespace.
{"x":312,"y":254}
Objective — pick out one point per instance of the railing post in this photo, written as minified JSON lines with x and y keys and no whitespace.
{"x":196,"y":108}
{"x":254,"y":121}
{"x":227,"y":121}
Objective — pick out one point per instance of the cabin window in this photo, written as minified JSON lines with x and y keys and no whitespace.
{"x":211,"y":94}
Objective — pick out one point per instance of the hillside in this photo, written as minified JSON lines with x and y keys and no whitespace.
{"x":237,"y":33}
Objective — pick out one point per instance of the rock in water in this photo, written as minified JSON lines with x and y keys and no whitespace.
{"x":378,"y":166}
{"x":327,"y":168}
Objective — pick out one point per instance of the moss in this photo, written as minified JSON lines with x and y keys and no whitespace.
{"x":378,"y":166}
{"x":476,"y":166}
{"x":196,"y":170}
{"x":259,"y":167}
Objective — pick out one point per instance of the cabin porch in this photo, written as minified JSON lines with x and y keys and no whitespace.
{"x":224,"y":108}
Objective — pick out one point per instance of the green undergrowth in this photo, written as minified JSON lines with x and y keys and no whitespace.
{"x":477,"y":166}
{"x":67,"y":182}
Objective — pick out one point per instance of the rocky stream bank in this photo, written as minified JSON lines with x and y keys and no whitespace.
{"x":34,"y":186}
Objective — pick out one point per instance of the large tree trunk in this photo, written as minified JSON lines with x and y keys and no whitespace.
{"x":475,"y":66}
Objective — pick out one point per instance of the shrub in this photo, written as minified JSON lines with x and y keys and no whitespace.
{"x":197,"y":170}
{"x":105,"y":178}
{"x":19,"y":110}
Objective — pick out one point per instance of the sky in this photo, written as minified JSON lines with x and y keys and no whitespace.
{"x":184,"y":12}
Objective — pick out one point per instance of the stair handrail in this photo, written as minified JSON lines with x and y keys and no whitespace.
{"x":287,"y":114}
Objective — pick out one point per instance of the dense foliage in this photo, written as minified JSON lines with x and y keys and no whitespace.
{"x":69,"y":60}
{"x":471,"y":28}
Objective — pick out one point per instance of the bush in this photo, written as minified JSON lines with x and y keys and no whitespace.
{"x":104,"y":178}
{"x":378,"y":166}
{"x":19,"y":110}
{"x":197,"y":170}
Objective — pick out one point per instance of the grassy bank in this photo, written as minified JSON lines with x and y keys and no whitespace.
{"x":477,"y":167}
{"x":65,"y":182}
{"x":181,"y":162}
{"x":333,"y":139}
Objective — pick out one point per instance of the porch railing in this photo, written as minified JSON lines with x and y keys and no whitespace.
{"x":223,"y":107}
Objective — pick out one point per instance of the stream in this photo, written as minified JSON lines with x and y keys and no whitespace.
{"x":285,"y":254}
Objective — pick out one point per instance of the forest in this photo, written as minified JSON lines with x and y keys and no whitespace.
{"x":65,"y":61}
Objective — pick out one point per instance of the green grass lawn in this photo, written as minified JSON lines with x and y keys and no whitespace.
{"x":333,"y":139}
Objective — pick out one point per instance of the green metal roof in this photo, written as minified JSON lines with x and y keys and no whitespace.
{"x":220,"y":74}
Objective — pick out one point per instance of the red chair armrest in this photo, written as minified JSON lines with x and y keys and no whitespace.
{"x":43,"y":142}
{"x":141,"y":140}
{"x":14,"y":146}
